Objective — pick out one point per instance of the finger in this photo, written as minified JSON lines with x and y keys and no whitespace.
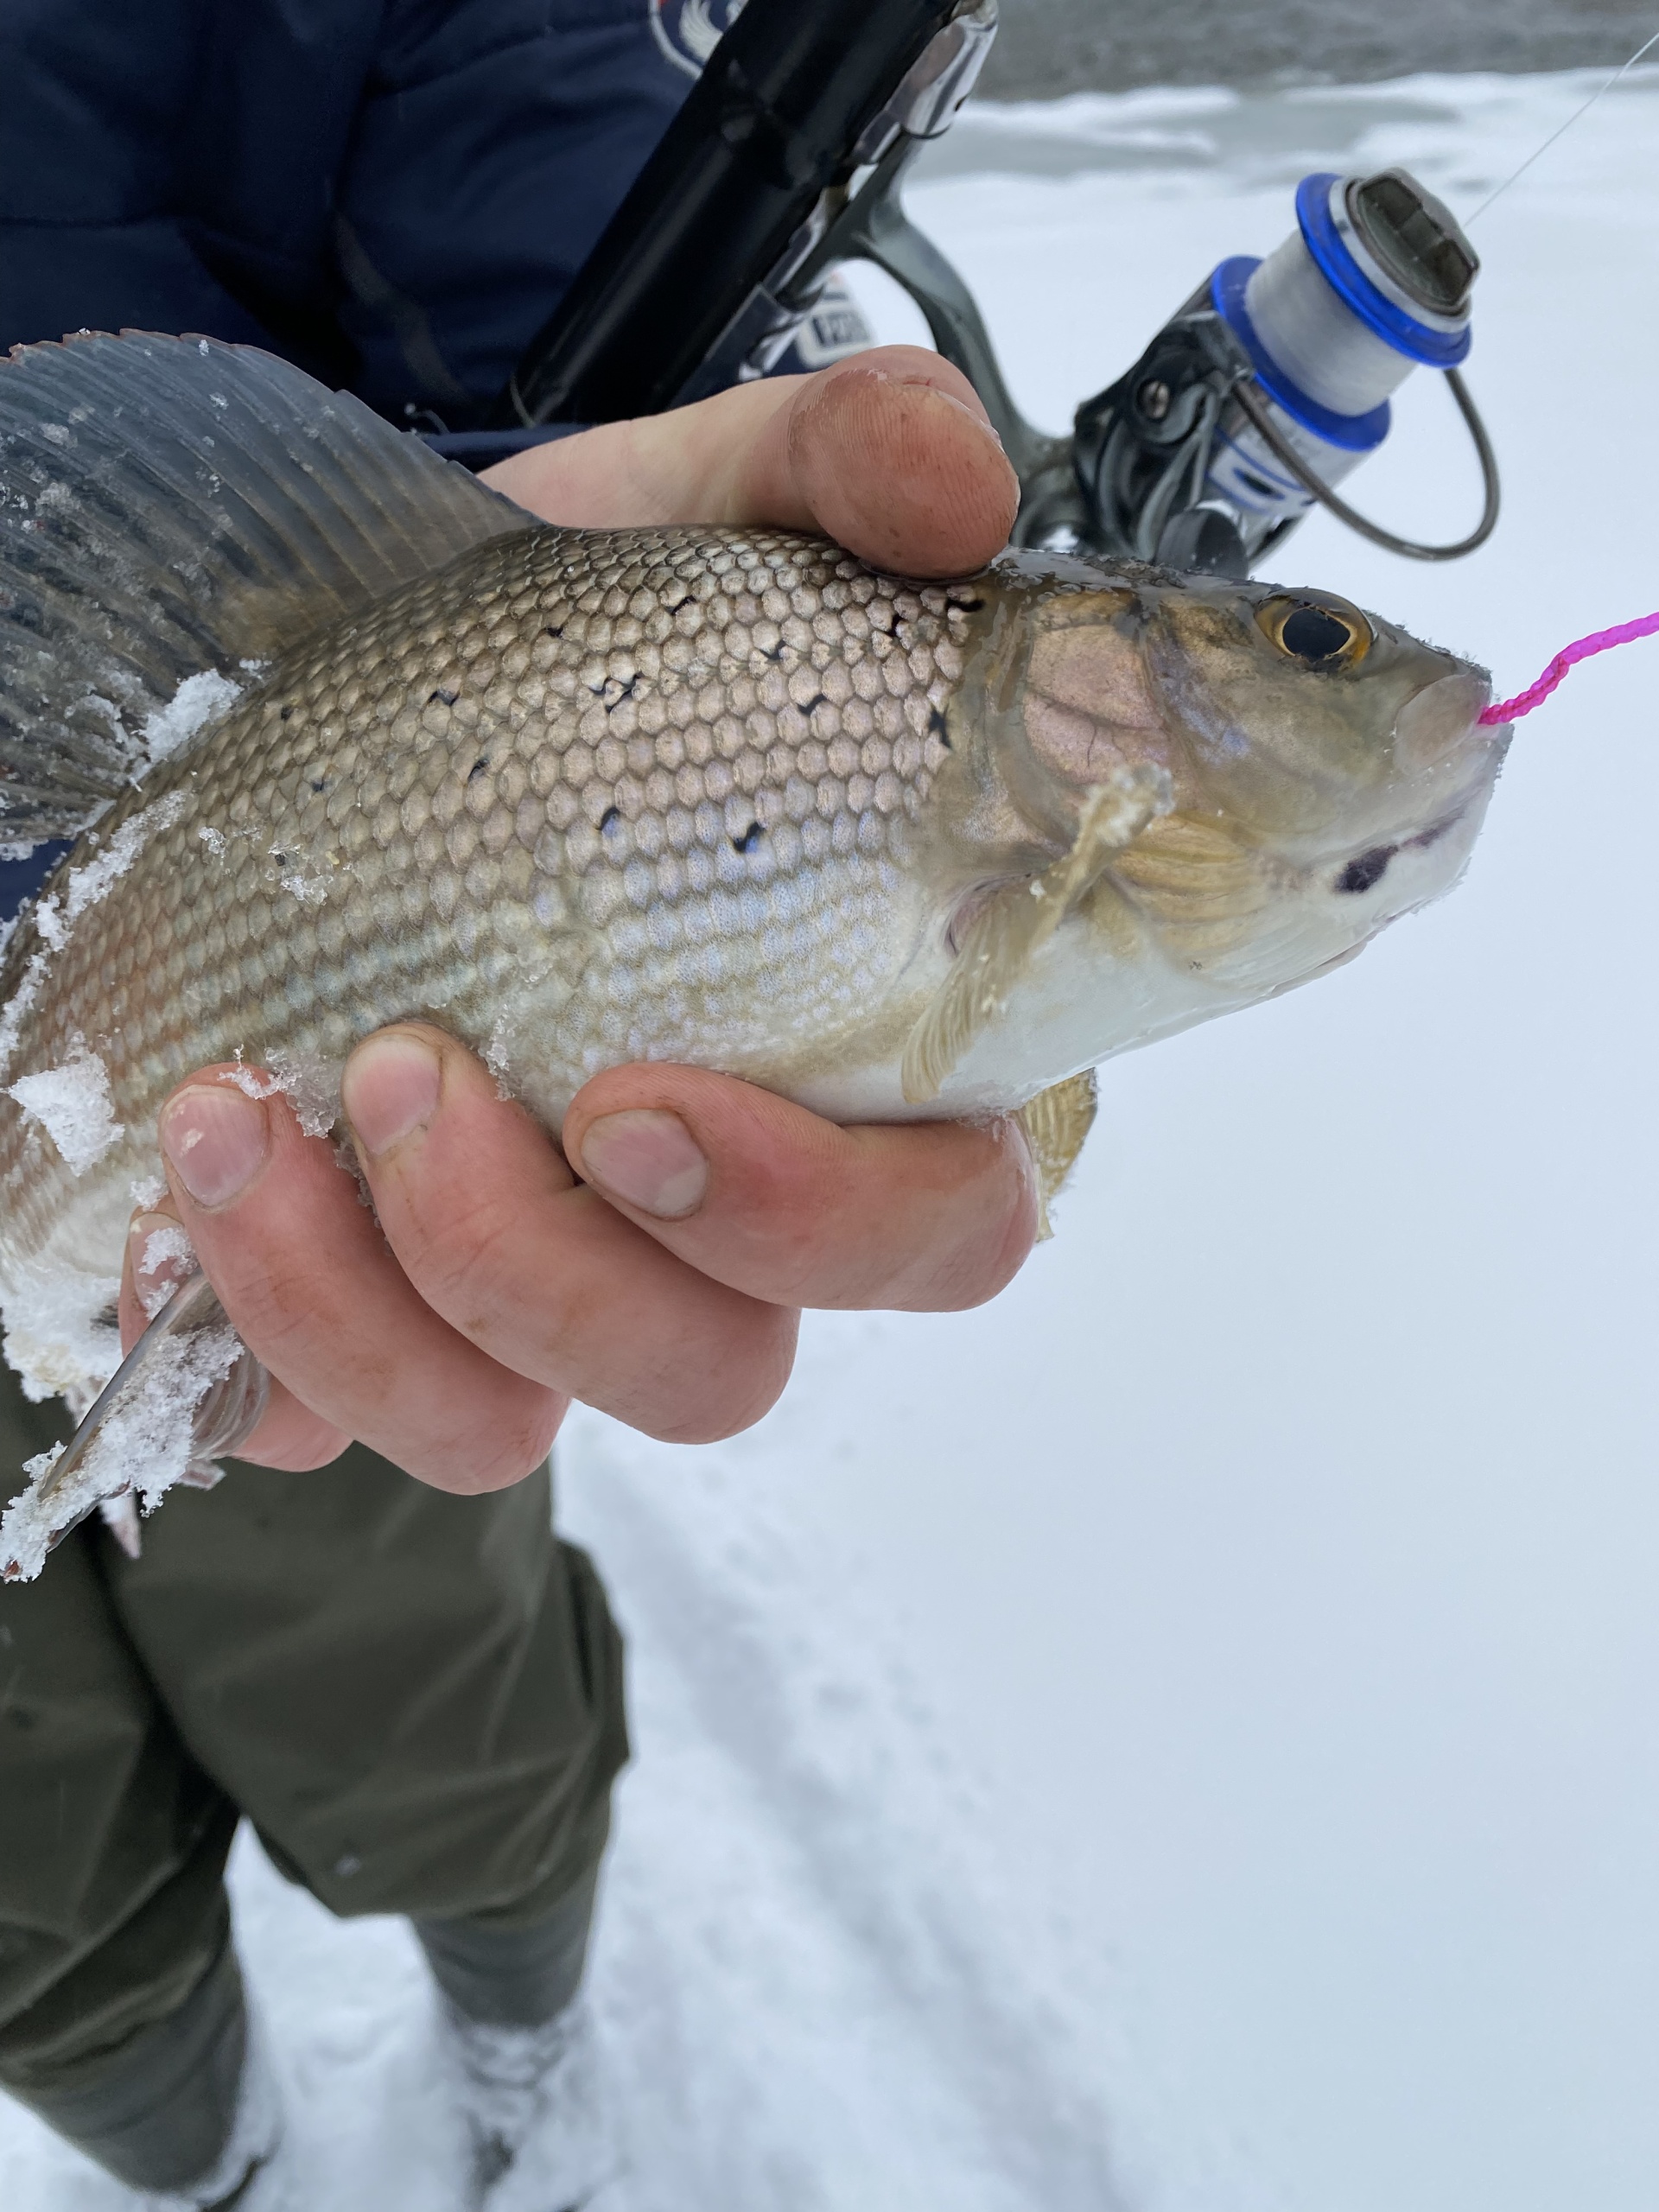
{"x":891,"y":453}
{"x":159,"y":1256}
{"x":759,"y":1193}
{"x":305,"y":1275}
{"x":538,"y":1272}
{"x":899,"y":466}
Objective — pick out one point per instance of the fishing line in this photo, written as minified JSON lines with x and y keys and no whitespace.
{"x":1623,"y":633}
{"x":1598,"y":641}
{"x":1577,"y":115}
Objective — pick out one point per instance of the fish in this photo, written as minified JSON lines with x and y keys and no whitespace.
{"x":345,"y":737}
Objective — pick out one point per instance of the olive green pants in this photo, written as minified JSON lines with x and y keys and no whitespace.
{"x":416,"y":1699}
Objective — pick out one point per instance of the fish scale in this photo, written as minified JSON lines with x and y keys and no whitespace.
{"x":656,"y":789}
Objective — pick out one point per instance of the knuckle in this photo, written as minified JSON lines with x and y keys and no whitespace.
{"x":460,"y":1259}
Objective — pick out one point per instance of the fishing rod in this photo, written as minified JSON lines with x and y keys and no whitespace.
{"x":689,"y":287}
{"x":1265,"y":389}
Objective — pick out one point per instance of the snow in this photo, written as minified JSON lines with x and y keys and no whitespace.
{"x":57,"y":1333}
{"x":313,"y":1087}
{"x":168,"y":1255}
{"x":1180,"y":1739}
{"x":18,"y":1005}
{"x":93,"y":882}
{"x":251,"y":1082}
{"x":54,"y":916}
{"x":198,"y":700}
{"x":145,"y":1443}
{"x":73,"y":1104}
{"x":310,"y":890}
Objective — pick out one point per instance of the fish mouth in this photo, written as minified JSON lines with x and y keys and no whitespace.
{"x":1438,"y":722}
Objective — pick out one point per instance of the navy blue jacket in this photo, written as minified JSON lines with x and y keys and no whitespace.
{"x":394,"y":193}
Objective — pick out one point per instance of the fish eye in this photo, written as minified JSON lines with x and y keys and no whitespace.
{"x":1324,"y":633}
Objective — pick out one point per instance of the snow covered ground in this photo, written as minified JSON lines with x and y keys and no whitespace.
{"x":1180,"y":1739}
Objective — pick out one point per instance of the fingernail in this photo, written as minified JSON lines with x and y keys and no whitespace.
{"x":979,"y":420}
{"x":649,"y":1159}
{"x":216,"y":1141}
{"x":162,"y":1256}
{"x":391,"y":1089}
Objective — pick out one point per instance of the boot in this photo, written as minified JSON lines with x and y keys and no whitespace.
{"x":519,"y":2049}
{"x":535,"y":2122}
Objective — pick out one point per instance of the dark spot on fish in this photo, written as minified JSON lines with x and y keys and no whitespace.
{"x":556,"y":629}
{"x":625,"y":691}
{"x":286,"y":712}
{"x":1369,"y":868}
{"x":777,"y":652}
{"x":816,"y":700}
{"x":936,"y":727}
{"x":319,"y":783}
{"x":609,"y":819}
{"x":749,"y":840}
{"x":447,"y":697}
{"x":476,"y":770}
{"x":281,"y":859}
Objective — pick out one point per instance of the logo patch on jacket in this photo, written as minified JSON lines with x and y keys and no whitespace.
{"x":689,"y":30}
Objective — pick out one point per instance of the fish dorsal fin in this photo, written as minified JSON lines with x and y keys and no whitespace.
{"x":1007,"y":934}
{"x":173,"y":506}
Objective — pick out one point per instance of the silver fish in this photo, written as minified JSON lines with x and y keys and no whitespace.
{"x":716,"y":796}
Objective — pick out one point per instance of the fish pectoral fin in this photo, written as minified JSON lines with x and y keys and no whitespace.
{"x":1006,"y":936}
{"x":1056,"y":1122}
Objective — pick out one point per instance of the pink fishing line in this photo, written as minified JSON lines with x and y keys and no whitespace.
{"x":1510,"y":711}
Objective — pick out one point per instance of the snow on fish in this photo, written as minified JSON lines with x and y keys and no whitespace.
{"x":723,"y":797}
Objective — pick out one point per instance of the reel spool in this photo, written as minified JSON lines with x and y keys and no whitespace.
{"x":1272,"y":383}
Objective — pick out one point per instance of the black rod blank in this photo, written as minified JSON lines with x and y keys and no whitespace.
{"x":768,"y":127}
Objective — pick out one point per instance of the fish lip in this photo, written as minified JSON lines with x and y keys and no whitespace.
{"x":1423,"y":739}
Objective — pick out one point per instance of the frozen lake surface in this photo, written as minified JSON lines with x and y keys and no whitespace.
{"x":1180,"y":1739}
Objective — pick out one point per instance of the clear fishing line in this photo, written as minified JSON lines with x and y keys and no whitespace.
{"x":1623,"y":633}
{"x":1561,"y":129}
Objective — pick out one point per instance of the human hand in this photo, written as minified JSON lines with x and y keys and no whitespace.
{"x":889,"y":453}
{"x":665,"y":1286}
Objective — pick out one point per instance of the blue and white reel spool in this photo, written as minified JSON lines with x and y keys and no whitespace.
{"x":1331,"y":331}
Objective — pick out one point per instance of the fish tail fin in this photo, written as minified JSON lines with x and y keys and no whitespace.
{"x":1013,"y":927}
{"x":170,"y":506}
